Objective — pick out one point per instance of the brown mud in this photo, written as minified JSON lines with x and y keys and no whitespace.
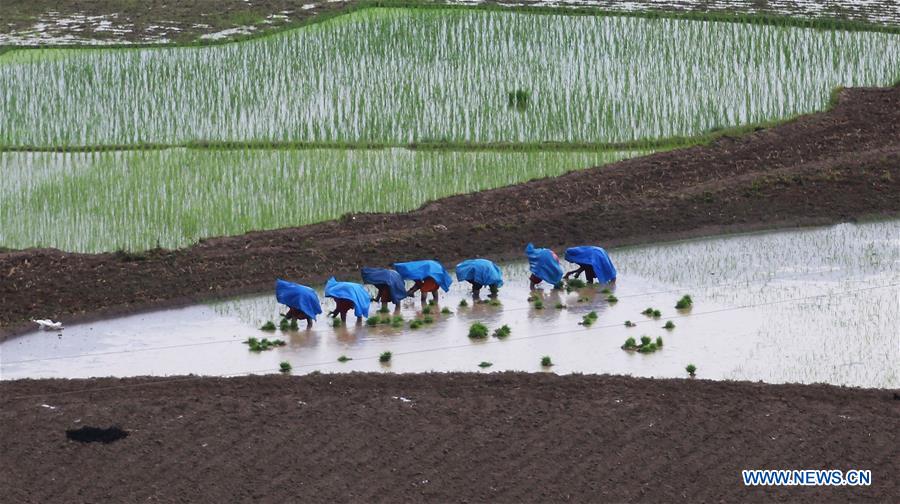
{"x":834,"y":166}
{"x":451,"y":438}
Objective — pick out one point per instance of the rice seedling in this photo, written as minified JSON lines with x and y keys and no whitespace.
{"x":560,"y":306}
{"x":584,"y":299}
{"x":285,"y":367}
{"x":372,"y":321}
{"x":344,"y":358}
{"x":485,"y":364}
{"x":575,"y":283}
{"x":428,"y":319}
{"x":684,"y":303}
{"x":494,"y":302}
{"x":669,"y":325}
{"x":518,"y":99}
{"x":284,"y":325}
{"x":589,"y":319}
{"x":261,"y":345}
{"x":629,"y":323}
{"x":446,"y":311}
{"x":659,"y":341}
{"x":606,"y":291}
{"x":502,"y":332}
{"x":426,"y":309}
{"x":645,"y":340}
{"x":478,"y":331}
{"x":415,"y":324}
{"x":612,"y":299}
{"x":648,"y":348}
{"x":463,"y":303}
{"x":546,"y":361}
{"x":657,"y":314}
{"x":336,"y":322}
{"x":385,"y":357}
{"x":293,"y":325}
{"x":691,"y":370}
{"x":268,"y":326}
{"x":384,"y":309}
{"x":648,"y":312}
{"x":630,"y":344}
{"x":538,"y":304}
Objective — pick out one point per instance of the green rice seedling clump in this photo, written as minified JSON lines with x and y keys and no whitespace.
{"x":648,"y":312}
{"x":485,"y":364}
{"x":478,"y":331}
{"x":268,"y":326}
{"x":606,"y":291}
{"x":546,"y":361}
{"x":502,"y":331}
{"x":630,"y":343}
{"x":669,"y":325}
{"x":684,"y":303}
{"x":691,"y":369}
{"x":645,"y":340}
{"x":629,"y":323}
{"x":659,"y":341}
{"x":446,"y":311}
{"x":494,"y":302}
{"x":384,"y":309}
{"x":428,"y":319}
{"x":344,"y":358}
{"x":657,"y":314}
{"x":284,"y":325}
{"x":285,"y":367}
{"x":372,"y":321}
{"x":560,"y":306}
{"x":426,"y":310}
{"x":336,"y":322}
{"x":575,"y":283}
{"x":385,"y":357}
{"x":612,"y":299}
{"x":538,"y":304}
{"x":649,"y":348}
{"x":463,"y":303}
{"x":415,"y":324}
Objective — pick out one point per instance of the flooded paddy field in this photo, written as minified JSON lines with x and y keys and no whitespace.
{"x":136,"y":200}
{"x":815,"y":305}
{"x":396,"y":76}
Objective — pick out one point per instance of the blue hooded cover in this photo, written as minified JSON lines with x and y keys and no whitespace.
{"x":382,"y":276}
{"x":419,"y":270}
{"x":595,"y":257}
{"x":480,"y":271}
{"x":544,"y":264}
{"x":352,"y":292}
{"x":298,"y":296}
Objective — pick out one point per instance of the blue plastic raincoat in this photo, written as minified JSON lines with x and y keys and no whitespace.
{"x":352,"y":292}
{"x":480,"y":271}
{"x":420,"y":270}
{"x":298,"y":296}
{"x":544,"y":264}
{"x":595,"y":257}
{"x":382,"y":276}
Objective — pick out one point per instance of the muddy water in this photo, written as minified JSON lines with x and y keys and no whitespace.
{"x":816,"y":305}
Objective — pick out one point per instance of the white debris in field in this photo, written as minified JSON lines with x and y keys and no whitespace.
{"x":240,"y":30}
{"x":403,"y":399}
{"x":48,"y":406}
{"x":49,"y":325}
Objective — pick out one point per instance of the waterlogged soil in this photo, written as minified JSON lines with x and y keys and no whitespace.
{"x":834,"y":166}
{"x":439,"y":438}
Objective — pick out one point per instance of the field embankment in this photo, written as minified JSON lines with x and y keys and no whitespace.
{"x":439,"y":438}
{"x":822,"y":168}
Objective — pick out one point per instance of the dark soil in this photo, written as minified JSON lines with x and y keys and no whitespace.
{"x":823,"y":168}
{"x":186,"y":20}
{"x":460,"y":438}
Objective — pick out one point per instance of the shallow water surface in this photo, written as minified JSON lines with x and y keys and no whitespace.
{"x":815,"y":305}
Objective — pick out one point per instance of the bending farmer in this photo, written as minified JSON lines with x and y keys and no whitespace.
{"x":389,"y":284}
{"x":302,"y":301}
{"x":428,"y":276}
{"x":593,"y":261}
{"x":347,"y":296}
{"x":544,"y":265}
{"x":480,"y":272}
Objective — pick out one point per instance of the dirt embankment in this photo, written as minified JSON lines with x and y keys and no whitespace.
{"x":822,"y":168}
{"x":452,"y":438}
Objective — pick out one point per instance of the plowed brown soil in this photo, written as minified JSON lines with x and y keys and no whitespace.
{"x":455,"y":438}
{"x":823,"y":168}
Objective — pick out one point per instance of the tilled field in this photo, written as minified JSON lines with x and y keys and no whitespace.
{"x":439,"y":438}
{"x":823,"y":168}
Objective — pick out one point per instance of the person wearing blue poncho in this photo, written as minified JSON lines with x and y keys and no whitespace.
{"x":428,"y":276}
{"x":389,"y":284}
{"x":544,"y":265}
{"x":480,"y":272}
{"x":593,"y":261}
{"x":348,"y":295}
{"x":302,"y":301}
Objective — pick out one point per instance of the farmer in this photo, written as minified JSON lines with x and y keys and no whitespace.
{"x":302,"y":301}
{"x":594,"y":262}
{"x":347,"y":296}
{"x":544,"y":265}
{"x":389,"y":284}
{"x":428,"y":276}
{"x":480,"y":272}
